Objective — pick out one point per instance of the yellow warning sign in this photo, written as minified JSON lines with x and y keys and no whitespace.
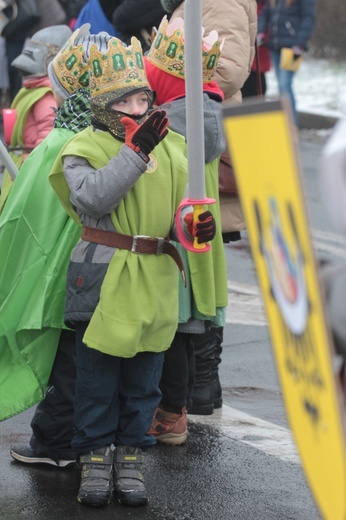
{"x":266,"y":164}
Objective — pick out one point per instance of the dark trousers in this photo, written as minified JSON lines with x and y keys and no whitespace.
{"x":53,"y":421}
{"x":115,"y":397}
{"x":178,"y":373}
{"x":250,"y":87}
{"x":13,"y":50}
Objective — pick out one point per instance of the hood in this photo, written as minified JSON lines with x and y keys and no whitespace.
{"x":214,"y":136}
{"x":168,"y":88}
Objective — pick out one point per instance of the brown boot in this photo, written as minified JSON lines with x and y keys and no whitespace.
{"x":169,"y":428}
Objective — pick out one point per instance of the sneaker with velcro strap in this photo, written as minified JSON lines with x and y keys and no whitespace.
{"x":129,"y":482}
{"x":96,"y":487}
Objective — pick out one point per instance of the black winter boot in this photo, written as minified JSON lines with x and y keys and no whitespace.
{"x":96,"y":486}
{"x":217,"y":390}
{"x":203,"y":394}
{"x":129,"y":483}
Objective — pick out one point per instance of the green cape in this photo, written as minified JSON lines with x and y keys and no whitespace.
{"x":35,"y":248}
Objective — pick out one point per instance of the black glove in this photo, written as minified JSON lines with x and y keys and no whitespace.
{"x":143,"y":138}
{"x":204,"y":229}
{"x":297,"y":52}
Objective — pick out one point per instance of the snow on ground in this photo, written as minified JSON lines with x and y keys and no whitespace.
{"x":318,"y":86}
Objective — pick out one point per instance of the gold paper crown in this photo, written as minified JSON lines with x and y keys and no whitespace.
{"x":70,"y":65}
{"x":168,"y":54}
{"x":119,"y":69}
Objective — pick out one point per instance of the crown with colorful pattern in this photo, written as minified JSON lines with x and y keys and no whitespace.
{"x":70,"y":67}
{"x":119,"y":69}
{"x":168,"y":54}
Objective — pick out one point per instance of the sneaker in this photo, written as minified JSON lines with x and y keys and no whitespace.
{"x":24,"y":453}
{"x":129,"y":484}
{"x":169,"y":428}
{"x":96,"y":487}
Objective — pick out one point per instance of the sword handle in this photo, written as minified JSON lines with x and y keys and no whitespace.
{"x":198,"y":208}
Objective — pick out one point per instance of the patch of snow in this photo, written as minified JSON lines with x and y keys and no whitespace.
{"x":318,"y":86}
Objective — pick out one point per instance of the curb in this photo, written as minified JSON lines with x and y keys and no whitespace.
{"x":311,"y":121}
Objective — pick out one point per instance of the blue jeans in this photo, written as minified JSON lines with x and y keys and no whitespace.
{"x":115,"y":397}
{"x":285,"y":79}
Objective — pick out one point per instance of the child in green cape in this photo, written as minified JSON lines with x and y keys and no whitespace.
{"x":36,"y":238}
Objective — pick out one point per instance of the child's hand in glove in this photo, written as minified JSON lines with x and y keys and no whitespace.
{"x":204,"y":229}
{"x":143,"y":138}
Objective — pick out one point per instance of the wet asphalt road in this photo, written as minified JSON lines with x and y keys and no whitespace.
{"x":212,"y":477}
{"x":215,"y":476}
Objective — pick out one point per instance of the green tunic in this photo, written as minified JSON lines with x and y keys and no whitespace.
{"x":138,"y":306}
{"x":36,"y":239}
{"x":206,"y":294}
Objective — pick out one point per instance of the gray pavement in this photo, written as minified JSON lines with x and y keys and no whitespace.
{"x":212,"y":477}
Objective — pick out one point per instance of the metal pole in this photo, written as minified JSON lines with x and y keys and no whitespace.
{"x":194,"y":98}
{"x":194,"y":121}
{"x":7,"y":161}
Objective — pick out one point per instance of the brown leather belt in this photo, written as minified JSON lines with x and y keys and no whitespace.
{"x":141,"y":244}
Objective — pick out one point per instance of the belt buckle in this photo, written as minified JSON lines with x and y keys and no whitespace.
{"x":160,"y":243}
{"x":135,"y":242}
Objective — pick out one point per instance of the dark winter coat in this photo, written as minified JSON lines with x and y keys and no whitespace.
{"x":288,"y":26}
{"x":130,"y":17}
{"x":263,"y":51}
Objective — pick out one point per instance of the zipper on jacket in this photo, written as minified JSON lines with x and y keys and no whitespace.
{"x":274,"y":28}
{"x":289,"y":27}
{"x":276,"y":13}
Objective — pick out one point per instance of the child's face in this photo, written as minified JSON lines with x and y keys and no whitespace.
{"x":134,"y":105}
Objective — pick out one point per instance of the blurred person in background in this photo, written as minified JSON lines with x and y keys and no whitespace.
{"x":72,"y":9}
{"x":133,"y":18}
{"x":286,"y":24}
{"x":33,"y":107}
{"x":4,"y":77}
{"x":236,"y":23}
{"x":250,"y":87}
{"x":13,"y":47}
{"x":50,"y":13}
{"x":98,"y":14}
{"x":123,"y":18}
